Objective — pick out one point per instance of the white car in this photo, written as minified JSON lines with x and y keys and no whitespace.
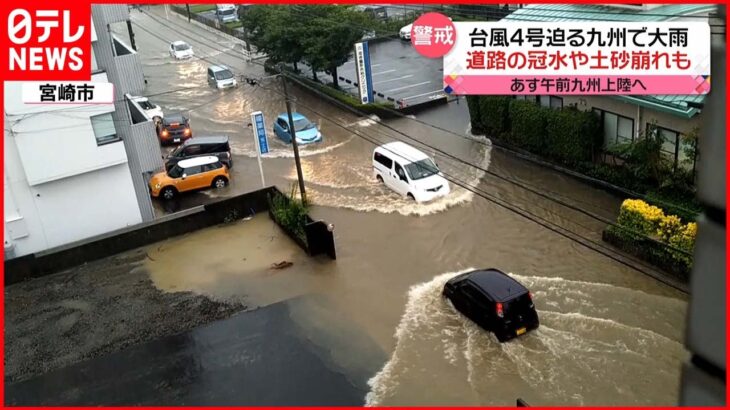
{"x":221,"y":77}
{"x":405,"y":32}
{"x":151,"y":110}
{"x":409,"y":172}
{"x":180,"y":50}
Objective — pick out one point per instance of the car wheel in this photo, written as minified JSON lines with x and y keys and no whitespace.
{"x":168,"y":192}
{"x":220,"y":182}
{"x":380,"y":179}
{"x":410,"y":196}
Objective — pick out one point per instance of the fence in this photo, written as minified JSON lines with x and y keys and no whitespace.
{"x":249,"y":51}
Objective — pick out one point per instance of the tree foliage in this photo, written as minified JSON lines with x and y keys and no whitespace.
{"x":322,"y":36}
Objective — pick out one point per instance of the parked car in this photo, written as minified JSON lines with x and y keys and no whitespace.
{"x":189,"y":175}
{"x":405,"y":32}
{"x":305,"y":130}
{"x":409,"y":172}
{"x":181,"y":50}
{"x":221,"y":77}
{"x":226,"y":12}
{"x":202,"y":147}
{"x":152,"y":111}
{"x":173,"y":129}
{"x":495,"y":301}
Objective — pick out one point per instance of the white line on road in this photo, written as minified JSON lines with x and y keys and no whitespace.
{"x":421,"y":95}
{"x":407,"y":86}
{"x":393,"y":79}
{"x":383,"y":72}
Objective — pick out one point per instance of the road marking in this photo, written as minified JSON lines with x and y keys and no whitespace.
{"x":421,"y":95}
{"x":384,"y":72}
{"x":394,"y":79}
{"x":407,"y":86}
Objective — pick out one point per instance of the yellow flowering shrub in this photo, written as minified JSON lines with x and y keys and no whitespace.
{"x":669,"y":226}
{"x":638,"y":216}
{"x":644,"y":220}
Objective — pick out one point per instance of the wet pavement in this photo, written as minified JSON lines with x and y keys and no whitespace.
{"x":273,"y":356}
{"x":610,"y":335}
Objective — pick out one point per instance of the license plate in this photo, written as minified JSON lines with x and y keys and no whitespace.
{"x":176,"y":140}
{"x":521,"y":331}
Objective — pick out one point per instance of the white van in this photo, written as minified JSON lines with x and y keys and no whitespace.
{"x":226,"y":12}
{"x":409,"y":172}
{"x":221,"y":77}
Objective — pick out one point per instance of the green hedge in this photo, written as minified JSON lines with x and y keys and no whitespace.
{"x":200,"y":8}
{"x":650,"y":251}
{"x":494,"y":113}
{"x":528,"y":125}
{"x":472,"y":101}
{"x":568,"y":135}
{"x":572,"y":136}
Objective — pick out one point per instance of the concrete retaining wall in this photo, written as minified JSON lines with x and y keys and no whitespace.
{"x":58,"y":259}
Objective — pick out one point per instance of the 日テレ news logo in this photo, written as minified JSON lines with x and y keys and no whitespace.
{"x":47,"y":42}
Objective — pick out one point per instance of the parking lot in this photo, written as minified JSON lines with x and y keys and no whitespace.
{"x":399,"y":73}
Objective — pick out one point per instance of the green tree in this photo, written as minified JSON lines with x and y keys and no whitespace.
{"x":276,"y":31}
{"x":330,"y":35}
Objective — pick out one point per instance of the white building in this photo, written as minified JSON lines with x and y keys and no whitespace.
{"x":72,"y":171}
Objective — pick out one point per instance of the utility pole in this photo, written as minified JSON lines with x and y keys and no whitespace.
{"x":187,"y":6}
{"x":292,"y":132}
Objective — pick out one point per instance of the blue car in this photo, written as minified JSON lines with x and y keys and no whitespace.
{"x":306,"y":130}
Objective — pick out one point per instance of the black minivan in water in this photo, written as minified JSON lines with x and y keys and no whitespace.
{"x":201,"y":147}
{"x":494,"y":301}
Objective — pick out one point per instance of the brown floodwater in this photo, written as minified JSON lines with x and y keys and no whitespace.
{"x":609,"y":334}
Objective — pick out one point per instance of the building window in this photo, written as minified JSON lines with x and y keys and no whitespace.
{"x":104,"y":129}
{"x":556,"y":102}
{"x":548,"y":101}
{"x":617,"y":129}
{"x":673,"y":147}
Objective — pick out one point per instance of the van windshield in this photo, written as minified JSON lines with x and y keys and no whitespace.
{"x":223,"y":75}
{"x":226,"y":12}
{"x":146,"y":105}
{"x":421,"y":169}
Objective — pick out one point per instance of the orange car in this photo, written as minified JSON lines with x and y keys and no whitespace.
{"x":189,"y":175}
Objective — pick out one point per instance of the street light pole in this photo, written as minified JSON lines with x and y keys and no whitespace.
{"x":292,"y":131}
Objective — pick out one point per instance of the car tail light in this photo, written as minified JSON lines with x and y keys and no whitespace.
{"x":187,"y":131}
{"x":500,"y":310}
{"x":165,"y":133}
{"x":529,"y":295}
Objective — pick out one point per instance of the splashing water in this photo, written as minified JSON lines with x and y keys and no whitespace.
{"x":574,"y":358}
{"x":369,"y":195}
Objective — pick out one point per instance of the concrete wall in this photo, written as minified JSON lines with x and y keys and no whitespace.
{"x":45,"y":215}
{"x":704,"y":380}
{"x":39,"y":129}
{"x":111,"y":243}
{"x":125,"y":71}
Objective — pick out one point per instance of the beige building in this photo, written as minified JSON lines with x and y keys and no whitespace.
{"x":626,"y":118}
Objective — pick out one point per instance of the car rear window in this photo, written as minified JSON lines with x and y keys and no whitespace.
{"x":519,"y":305}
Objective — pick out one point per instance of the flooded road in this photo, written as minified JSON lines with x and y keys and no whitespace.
{"x":610,"y":335}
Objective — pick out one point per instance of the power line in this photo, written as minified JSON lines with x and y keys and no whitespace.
{"x":401,"y":115}
{"x":600,"y":248}
{"x":486,"y":196}
{"x":523,"y":186}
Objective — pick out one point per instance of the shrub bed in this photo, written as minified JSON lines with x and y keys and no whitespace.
{"x":647,"y":232}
